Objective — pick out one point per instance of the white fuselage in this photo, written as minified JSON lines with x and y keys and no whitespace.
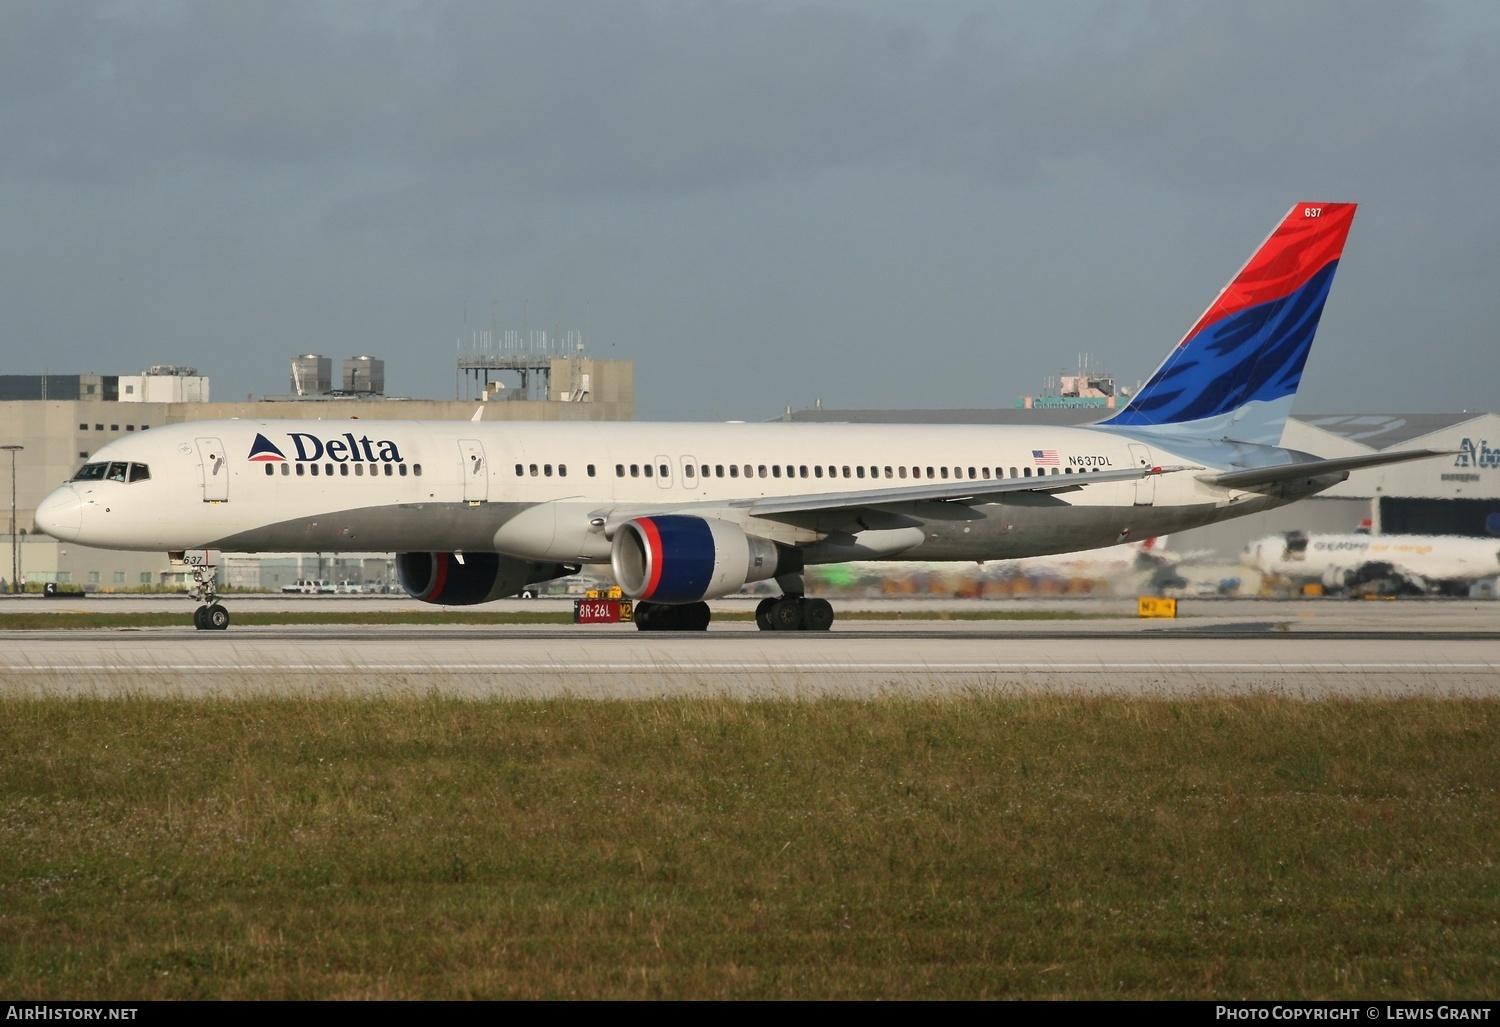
{"x":554,"y":491}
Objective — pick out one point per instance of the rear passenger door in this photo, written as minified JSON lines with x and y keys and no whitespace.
{"x":1145,"y":488}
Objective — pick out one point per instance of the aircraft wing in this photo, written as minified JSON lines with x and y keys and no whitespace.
{"x":854,"y":501}
{"x":970,"y":491}
{"x":1255,"y":476}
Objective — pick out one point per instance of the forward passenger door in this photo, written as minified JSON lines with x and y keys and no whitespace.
{"x":214,"y":469}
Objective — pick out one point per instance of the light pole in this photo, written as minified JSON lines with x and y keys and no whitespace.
{"x":15,"y":544}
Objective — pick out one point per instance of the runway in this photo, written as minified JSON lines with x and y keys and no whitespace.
{"x":1297,"y":650}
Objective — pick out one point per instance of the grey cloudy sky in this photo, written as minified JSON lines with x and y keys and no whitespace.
{"x":761,"y":203}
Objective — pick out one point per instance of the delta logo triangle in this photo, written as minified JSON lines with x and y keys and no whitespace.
{"x":264,"y":451}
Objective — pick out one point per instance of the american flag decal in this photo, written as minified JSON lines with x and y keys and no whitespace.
{"x":1045,"y":457}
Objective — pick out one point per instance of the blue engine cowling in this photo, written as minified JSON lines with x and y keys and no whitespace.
{"x":679,"y":559}
{"x":480,"y":578}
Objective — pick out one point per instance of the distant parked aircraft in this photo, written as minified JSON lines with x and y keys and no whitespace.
{"x":1389,"y":564}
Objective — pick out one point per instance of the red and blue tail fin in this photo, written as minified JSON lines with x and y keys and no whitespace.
{"x":1235,"y":374}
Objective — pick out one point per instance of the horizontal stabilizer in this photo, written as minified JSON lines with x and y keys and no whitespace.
{"x":1314,"y":468}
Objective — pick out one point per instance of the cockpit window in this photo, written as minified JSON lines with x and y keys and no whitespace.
{"x":116,"y":471}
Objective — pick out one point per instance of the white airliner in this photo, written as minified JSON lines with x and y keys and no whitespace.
{"x":1411,"y":564}
{"x":686,"y":513}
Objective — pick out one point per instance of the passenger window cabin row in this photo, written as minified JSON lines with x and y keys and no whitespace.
{"x":800,"y":471}
{"x":858,"y":471}
{"x":120,"y":471}
{"x":312,"y":469}
{"x":835,"y":471}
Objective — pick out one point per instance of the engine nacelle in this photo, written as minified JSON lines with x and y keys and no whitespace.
{"x":480,"y":578}
{"x":679,"y":559}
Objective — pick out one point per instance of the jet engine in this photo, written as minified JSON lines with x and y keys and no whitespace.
{"x":479,"y":578}
{"x":680,"y":559}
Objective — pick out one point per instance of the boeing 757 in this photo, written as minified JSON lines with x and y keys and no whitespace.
{"x":685,"y":513}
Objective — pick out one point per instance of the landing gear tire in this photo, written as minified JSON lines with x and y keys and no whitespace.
{"x":817,"y":615}
{"x":211,"y":618}
{"x":763,"y":613}
{"x":662,"y":617}
{"x":786,"y":614}
{"x":794,"y":613}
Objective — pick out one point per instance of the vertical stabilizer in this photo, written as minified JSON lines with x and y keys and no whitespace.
{"x":1235,"y":374}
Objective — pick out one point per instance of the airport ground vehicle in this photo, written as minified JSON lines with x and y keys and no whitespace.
{"x":308,"y":586}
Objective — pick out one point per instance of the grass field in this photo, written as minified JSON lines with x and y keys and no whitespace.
{"x":700,"y":848}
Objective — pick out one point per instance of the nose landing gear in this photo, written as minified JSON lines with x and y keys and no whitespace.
{"x":211,"y":615}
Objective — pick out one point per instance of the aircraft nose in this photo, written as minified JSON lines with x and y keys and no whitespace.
{"x":60,"y":514}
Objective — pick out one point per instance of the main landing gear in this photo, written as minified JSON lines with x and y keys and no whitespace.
{"x":210,"y":615}
{"x":794,"y":613}
{"x":792,"y":610}
{"x":662,"y":617}
{"x":778,"y":613}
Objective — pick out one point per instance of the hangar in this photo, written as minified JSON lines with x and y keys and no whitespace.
{"x":1457,"y":495}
